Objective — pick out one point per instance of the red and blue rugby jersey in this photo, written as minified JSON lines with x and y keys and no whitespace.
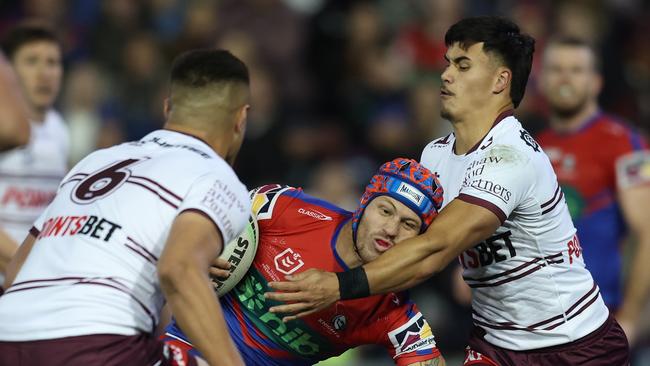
{"x":298,"y":232}
{"x":585,"y":164}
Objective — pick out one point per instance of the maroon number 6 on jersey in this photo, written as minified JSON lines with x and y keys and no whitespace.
{"x":103,"y":182}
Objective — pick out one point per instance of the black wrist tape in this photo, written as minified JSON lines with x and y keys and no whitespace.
{"x":353,"y":284}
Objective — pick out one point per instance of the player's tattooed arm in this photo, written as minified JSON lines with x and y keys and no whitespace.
{"x":438,"y":361}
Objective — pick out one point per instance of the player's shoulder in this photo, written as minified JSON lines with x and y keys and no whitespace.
{"x":545,"y":134}
{"x":615,"y":130}
{"x":611,"y":124}
{"x":510,"y":140}
{"x":436,"y":149}
{"x":56,"y":127}
{"x":272,"y":198}
{"x":440,"y":144}
{"x":265,"y":198}
{"x":54,"y":120}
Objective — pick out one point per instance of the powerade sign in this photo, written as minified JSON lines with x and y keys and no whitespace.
{"x":295,"y":337}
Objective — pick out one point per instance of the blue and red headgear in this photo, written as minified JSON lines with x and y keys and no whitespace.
{"x":407,"y":181}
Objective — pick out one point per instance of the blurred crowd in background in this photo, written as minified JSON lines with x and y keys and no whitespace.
{"x":339,"y":86}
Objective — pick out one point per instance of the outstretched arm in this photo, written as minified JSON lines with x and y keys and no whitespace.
{"x":18,"y":259}
{"x":193,"y":243}
{"x":637,"y":286}
{"x":14,"y":122}
{"x":458,"y":227}
{"x":8,"y":248}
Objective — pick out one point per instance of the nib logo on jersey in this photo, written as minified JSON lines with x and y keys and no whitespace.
{"x":295,"y":336}
{"x":412,"y":336}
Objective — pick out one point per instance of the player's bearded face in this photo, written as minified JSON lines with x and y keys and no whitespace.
{"x":39,"y":69}
{"x":568,"y":79}
{"x":466,"y":82}
{"x":385,"y":221}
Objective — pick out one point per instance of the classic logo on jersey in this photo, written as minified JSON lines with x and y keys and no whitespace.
{"x":264,"y":199}
{"x":412,"y":336}
{"x":529,"y":140}
{"x":339,"y":322}
{"x":410,"y":193}
{"x":315,"y":214}
{"x":288,"y":262}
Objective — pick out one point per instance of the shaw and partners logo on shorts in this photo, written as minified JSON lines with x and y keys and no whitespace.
{"x":412,"y":336}
{"x":411,"y":193}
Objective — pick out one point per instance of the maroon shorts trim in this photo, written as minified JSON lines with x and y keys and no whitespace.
{"x":88,"y":350}
{"x":606,"y":346}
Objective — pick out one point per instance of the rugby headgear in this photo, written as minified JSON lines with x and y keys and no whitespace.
{"x":407,"y":181}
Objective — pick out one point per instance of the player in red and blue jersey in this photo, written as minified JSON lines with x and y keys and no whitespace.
{"x":603,"y":167}
{"x":298,"y":232}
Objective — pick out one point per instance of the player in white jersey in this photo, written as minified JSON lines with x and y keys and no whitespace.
{"x":131,"y":224}
{"x":534,"y":302}
{"x":30,"y":174}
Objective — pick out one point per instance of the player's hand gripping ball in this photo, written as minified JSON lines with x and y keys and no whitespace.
{"x":240,"y":254}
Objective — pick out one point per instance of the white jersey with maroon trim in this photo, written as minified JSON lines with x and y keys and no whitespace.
{"x":30,"y":175}
{"x":93,"y":267}
{"x":529,"y":283}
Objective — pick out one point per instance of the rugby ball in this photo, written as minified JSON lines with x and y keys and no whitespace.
{"x":240,"y":254}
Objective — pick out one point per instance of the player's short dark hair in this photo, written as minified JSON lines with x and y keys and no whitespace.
{"x":201,"y":67}
{"x":27,"y":33}
{"x":571,"y":41}
{"x":502,"y":37}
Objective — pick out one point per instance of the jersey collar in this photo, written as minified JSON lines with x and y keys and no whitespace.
{"x":499,"y":118}
{"x":174,"y":136}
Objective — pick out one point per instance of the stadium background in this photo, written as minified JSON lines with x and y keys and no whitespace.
{"x":338,"y":88}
